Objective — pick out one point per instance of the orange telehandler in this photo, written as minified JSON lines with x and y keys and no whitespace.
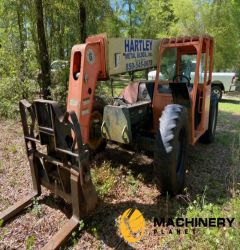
{"x":165,"y":116}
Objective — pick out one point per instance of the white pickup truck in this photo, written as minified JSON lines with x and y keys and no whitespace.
{"x":221,"y":81}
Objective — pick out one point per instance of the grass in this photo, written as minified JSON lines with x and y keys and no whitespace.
{"x":205,"y":238}
{"x":30,"y":240}
{"x":209,"y":238}
{"x":104,"y":179}
{"x":223,"y":237}
{"x":118,"y":84}
{"x":104,"y":89}
{"x":121,"y":184}
{"x":132,"y":183}
{"x":230,"y":107}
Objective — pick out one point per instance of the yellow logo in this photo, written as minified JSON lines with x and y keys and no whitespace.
{"x":132,"y":225}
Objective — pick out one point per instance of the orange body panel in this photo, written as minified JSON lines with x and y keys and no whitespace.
{"x":188,"y":45}
{"x":87,"y":66}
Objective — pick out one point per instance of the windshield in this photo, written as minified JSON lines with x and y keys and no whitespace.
{"x":187,"y":65}
{"x":168,"y":64}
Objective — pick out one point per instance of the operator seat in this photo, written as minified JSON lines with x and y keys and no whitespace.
{"x":130,"y":93}
{"x":135,"y":93}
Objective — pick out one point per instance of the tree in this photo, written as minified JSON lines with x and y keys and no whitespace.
{"x":155,"y":18}
{"x":82,"y":21}
{"x":43,"y":51}
{"x":220,"y":19}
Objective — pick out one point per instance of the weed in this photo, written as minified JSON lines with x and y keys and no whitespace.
{"x":73,"y":238}
{"x":81,"y":225}
{"x":104,"y":179}
{"x":3,"y":231}
{"x":95,"y":232}
{"x":30,"y":242}
{"x":132,"y":183}
{"x":13,"y":182}
{"x":13,"y":149}
{"x":210,"y":237}
{"x":36,"y":209}
{"x":1,"y":167}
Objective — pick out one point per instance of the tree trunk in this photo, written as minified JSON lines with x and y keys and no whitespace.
{"x":83,"y":20}
{"x":130,"y":18}
{"x":43,"y":52}
{"x":22,"y":40}
{"x":60,"y":40}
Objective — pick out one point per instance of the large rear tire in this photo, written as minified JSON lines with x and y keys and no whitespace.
{"x":209,"y":136}
{"x":171,"y":149}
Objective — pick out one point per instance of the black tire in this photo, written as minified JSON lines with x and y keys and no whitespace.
{"x":217,"y":90}
{"x":171,"y":149}
{"x":96,"y":142}
{"x":209,"y":135}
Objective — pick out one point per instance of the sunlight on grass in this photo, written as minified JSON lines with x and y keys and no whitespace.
{"x":104,"y":178}
{"x":230,"y":107}
{"x":210,"y":238}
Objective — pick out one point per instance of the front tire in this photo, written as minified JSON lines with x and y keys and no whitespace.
{"x":171,"y":149}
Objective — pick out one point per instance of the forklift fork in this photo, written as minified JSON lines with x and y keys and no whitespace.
{"x":58,"y":161}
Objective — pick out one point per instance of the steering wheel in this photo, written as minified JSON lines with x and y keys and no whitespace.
{"x":182,"y":76}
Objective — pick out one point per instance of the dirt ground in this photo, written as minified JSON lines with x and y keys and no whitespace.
{"x":208,"y":172}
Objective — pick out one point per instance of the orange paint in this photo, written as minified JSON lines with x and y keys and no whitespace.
{"x":87,"y":66}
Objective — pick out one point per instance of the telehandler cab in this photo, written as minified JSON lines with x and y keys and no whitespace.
{"x":165,"y":116}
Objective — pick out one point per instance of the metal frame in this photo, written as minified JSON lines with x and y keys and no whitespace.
{"x":185,"y":45}
{"x":64,"y":169}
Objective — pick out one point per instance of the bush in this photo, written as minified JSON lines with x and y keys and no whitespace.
{"x":12,"y":91}
{"x":59,"y":85}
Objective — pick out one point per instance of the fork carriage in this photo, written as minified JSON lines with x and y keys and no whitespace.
{"x":58,"y":161}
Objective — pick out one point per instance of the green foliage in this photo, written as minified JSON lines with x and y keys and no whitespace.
{"x":11,"y":92}
{"x":216,"y":237}
{"x":73,"y":238}
{"x":81,"y":225}
{"x":95,"y":232}
{"x":220,"y":19}
{"x":13,"y":149}
{"x":30,"y":240}
{"x":19,"y":49}
{"x":104,"y":179}
{"x":132,"y":183}
{"x":36,"y":208}
{"x":213,"y":237}
{"x":75,"y":234}
{"x":156,"y":18}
